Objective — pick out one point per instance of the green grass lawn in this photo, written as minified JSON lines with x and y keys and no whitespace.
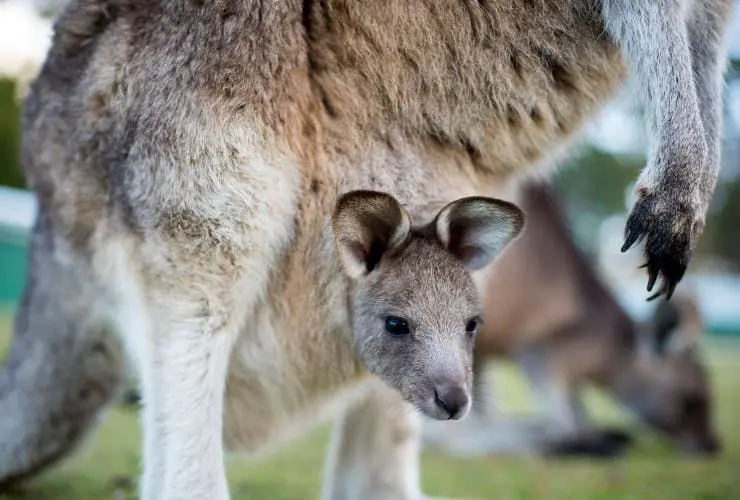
{"x":107,"y":466}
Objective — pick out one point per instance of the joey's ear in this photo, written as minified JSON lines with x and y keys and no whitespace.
{"x":368,"y":225}
{"x":477,"y":229}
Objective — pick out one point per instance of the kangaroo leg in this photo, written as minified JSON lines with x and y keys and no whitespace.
{"x":707,"y":31}
{"x":374,"y":452}
{"x":568,"y":429}
{"x":187,"y":316}
{"x":675,"y":189}
{"x":65,"y":364}
{"x":559,"y":402}
{"x":190,"y":291}
{"x":184,"y":380}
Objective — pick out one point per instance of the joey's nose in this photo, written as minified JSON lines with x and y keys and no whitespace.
{"x":451,"y":398}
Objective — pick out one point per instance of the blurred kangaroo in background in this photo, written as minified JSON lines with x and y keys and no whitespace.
{"x":187,"y":157}
{"x":547,"y":310}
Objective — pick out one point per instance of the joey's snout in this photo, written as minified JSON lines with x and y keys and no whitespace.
{"x":451,"y":400}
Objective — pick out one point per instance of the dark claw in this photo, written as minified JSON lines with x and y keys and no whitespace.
{"x":630,"y":239}
{"x":669,"y":291}
{"x":652,"y":278}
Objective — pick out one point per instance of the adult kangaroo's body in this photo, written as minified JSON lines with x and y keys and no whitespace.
{"x":547,"y":309}
{"x":187,"y":157}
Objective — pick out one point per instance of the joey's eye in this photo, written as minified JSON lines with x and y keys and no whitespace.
{"x":472,"y":326}
{"x":398,"y":327}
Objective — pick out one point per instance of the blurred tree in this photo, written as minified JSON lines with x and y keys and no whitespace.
{"x":598,"y":179}
{"x":728,"y":220}
{"x":723,"y":238}
{"x":593,"y":185}
{"x":9,"y":135}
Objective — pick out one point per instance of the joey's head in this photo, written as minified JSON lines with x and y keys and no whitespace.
{"x":415,"y":310}
{"x":672,"y":391}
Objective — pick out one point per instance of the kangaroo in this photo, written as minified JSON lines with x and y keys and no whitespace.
{"x":547,"y":310}
{"x":187,"y":156}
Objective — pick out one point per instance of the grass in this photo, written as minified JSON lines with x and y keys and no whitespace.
{"x":106,"y":467}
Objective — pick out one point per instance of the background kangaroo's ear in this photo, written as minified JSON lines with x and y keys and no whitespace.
{"x":477,"y":229}
{"x":675,"y":326}
{"x":368,"y":225}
